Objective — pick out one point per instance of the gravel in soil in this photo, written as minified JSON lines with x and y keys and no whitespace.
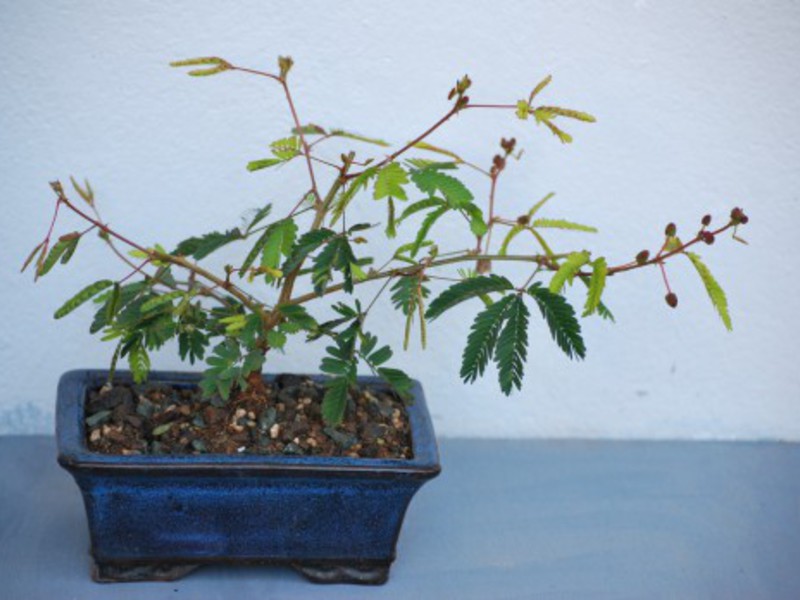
{"x":282,"y":417}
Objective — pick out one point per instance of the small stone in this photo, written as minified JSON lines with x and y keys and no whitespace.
{"x":240,"y":412}
{"x":145,"y":408}
{"x":292,"y":448}
{"x":275,"y":431}
{"x":161,"y":429}
{"x":267,"y":419}
{"x":199,"y":445}
{"x":95,"y":435}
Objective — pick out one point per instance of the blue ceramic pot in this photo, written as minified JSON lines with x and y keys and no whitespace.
{"x":158,"y":517}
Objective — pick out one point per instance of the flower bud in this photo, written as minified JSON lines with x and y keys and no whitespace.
{"x":708,"y":237}
{"x":523,"y":220}
{"x":671,"y":299}
{"x":642,"y":257}
{"x":670,"y":230}
{"x":736,"y":215}
{"x":744,"y":219}
{"x":706,"y":221}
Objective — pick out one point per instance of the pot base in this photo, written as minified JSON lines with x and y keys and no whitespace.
{"x":340,"y":572}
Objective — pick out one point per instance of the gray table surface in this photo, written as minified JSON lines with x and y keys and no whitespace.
{"x":506,"y":519}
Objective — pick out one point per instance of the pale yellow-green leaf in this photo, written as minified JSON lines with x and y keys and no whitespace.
{"x":596,"y":286}
{"x":567,"y":270}
{"x":715,"y":292}
{"x":563,"y":224}
{"x":523,"y":109}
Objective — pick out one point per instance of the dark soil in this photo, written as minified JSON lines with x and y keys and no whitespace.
{"x":281,"y":418}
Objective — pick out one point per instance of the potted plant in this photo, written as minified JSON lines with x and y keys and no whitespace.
{"x":181,"y":469}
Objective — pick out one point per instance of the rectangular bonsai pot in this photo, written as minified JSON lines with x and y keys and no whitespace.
{"x":159,"y":516}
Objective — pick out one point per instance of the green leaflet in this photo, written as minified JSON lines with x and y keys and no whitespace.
{"x":512,"y":345}
{"x":715,"y":292}
{"x":560,"y":317}
{"x":431,"y":180}
{"x":523,"y":109}
{"x":391,"y":220}
{"x":596,"y":286}
{"x":200,"y":247}
{"x":567,"y":270}
{"x":563,"y":224}
{"x":85,"y":294}
{"x":482,"y":339}
{"x":216,"y":64}
{"x":464,"y":290}
{"x":306,"y":244}
{"x":258,"y":216}
{"x":390,"y":181}
{"x":405,"y":293}
{"x":568,"y":113}
{"x":425,"y":227}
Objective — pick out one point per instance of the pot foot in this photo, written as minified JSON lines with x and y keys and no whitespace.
{"x":353,"y":572}
{"x":127,"y":572}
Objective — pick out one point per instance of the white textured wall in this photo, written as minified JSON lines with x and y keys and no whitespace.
{"x":698,"y":107}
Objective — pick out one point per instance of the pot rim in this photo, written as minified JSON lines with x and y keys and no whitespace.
{"x":73,"y":453}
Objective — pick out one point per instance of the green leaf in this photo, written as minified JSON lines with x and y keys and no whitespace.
{"x":306,"y":244}
{"x":596,"y":286}
{"x":347,"y":194}
{"x":334,"y":402}
{"x":568,"y":269}
{"x":569,"y":113}
{"x":561,"y":319}
{"x":286,"y":148}
{"x":398,"y":380}
{"x":139,"y":362}
{"x":337,"y":255}
{"x":405,"y":293}
{"x":715,"y":292}
{"x":159,"y":301}
{"x":563,"y":224}
{"x":438,"y":150}
{"x":476,"y":223}
{"x":258,"y":216}
{"x":464,"y":290}
{"x":216,"y":64}
{"x":535,"y":208}
{"x":523,"y":109}
{"x":200,"y":247}
{"x":90,"y":291}
{"x":431,"y":180}
{"x":357,"y":137}
{"x":482,"y":339}
{"x":264,"y":163}
{"x":390,"y":182}
{"x":279,"y":243}
{"x":425,"y":227}
{"x":512,"y":233}
{"x":419,"y":206}
{"x":65,"y":244}
{"x":295,"y":313}
{"x":512,"y":345}
{"x":539,"y":87}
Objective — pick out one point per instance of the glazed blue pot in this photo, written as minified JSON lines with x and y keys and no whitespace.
{"x":160,"y":516}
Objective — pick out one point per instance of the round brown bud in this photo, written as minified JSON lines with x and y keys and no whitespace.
{"x":736,"y":215}
{"x":642,"y":257}
{"x":672,"y":299}
{"x":706,"y":221}
{"x":671,"y":230}
{"x":744,"y":219}
{"x":708,"y":237}
{"x":499,"y":162}
{"x":523,"y":220}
